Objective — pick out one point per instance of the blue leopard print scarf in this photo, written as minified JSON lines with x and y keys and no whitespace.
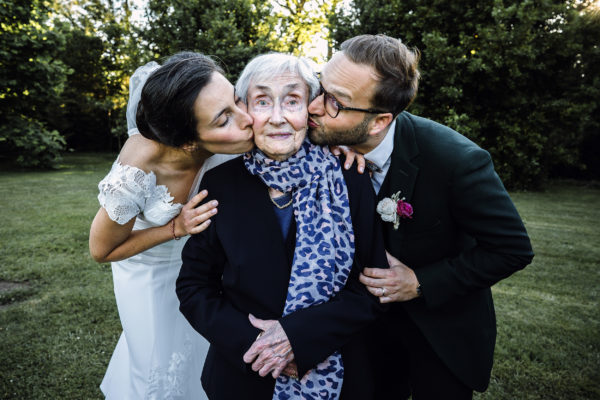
{"x":324,"y":249}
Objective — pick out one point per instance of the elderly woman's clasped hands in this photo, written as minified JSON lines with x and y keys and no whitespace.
{"x":271,"y":353}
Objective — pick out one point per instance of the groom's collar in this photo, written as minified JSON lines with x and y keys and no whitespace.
{"x":382,"y":153}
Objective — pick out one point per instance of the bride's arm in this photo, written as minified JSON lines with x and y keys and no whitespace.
{"x":111,"y":241}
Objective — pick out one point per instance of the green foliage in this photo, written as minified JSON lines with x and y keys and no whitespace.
{"x":58,"y":331}
{"x":31,"y":81}
{"x":299,"y":22}
{"x":228,"y":30}
{"x":31,"y":143}
{"x":102,"y":50}
{"x":507,"y":74}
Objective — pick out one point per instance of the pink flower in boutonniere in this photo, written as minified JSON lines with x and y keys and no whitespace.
{"x":394,"y":208}
{"x":404,"y":209}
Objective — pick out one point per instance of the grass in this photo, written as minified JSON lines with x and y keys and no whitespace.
{"x":59,"y":324}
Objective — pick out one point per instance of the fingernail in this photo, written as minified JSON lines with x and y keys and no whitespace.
{"x":213,"y":211}
{"x":347,"y":166}
{"x":361,"y":169}
{"x":203,"y":192}
{"x":214,"y":203}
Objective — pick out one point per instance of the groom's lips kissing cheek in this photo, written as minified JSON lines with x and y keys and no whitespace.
{"x":312,"y":123}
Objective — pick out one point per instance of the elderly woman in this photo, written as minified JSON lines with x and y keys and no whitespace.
{"x":282,"y":257}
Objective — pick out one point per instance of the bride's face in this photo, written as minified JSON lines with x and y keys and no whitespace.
{"x":224,"y":126}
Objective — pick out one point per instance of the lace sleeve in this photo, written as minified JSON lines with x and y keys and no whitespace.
{"x":123,"y":192}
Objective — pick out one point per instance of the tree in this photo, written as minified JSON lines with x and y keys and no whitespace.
{"x":299,"y":22}
{"x":32,"y":79}
{"x":503,"y":73}
{"x":587,"y":93}
{"x":231,"y":31}
{"x":102,"y":50}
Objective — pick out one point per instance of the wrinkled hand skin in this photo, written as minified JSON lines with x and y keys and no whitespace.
{"x":399,"y":281}
{"x":271,"y":352}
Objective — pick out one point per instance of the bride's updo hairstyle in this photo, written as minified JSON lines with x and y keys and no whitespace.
{"x":165,"y":112}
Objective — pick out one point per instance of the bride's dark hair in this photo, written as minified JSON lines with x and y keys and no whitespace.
{"x":165,"y":112}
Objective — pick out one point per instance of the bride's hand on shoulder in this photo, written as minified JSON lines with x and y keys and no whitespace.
{"x":193,"y":218}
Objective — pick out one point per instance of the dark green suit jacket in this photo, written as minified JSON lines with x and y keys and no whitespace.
{"x":464,"y":236}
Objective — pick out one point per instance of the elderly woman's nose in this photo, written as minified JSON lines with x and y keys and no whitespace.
{"x":277,"y":115}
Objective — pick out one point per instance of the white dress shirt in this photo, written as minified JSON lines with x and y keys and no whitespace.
{"x":381,"y":156}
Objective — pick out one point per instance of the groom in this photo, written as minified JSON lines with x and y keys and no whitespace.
{"x":453,"y":230}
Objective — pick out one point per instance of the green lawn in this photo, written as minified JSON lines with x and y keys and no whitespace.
{"x":59,"y":324}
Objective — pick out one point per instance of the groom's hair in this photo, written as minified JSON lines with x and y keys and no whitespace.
{"x":165,"y":112}
{"x":395,"y":65}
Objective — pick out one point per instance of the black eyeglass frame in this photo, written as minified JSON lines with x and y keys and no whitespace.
{"x":340,"y":107}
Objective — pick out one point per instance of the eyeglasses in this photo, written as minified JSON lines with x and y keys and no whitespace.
{"x":333,"y":106}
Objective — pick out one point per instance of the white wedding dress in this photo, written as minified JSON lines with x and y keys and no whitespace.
{"x":159,"y":355}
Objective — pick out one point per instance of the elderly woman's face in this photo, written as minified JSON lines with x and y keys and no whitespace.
{"x":278,"y":106}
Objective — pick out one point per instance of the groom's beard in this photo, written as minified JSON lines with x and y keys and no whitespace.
{"x":356,"y":135}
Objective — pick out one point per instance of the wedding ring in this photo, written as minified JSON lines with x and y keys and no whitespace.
{"x":382,"y":291}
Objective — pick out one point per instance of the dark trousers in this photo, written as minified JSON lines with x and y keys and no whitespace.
{"x":405,"y":364}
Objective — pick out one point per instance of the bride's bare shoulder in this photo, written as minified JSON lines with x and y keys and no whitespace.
{"x":139,"y":152}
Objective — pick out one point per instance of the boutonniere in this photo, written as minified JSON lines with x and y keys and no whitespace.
{"x":394,"y":208}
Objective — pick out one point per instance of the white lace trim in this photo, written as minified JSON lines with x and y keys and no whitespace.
{"x":168,"y":382}
{"x":128,"y":191}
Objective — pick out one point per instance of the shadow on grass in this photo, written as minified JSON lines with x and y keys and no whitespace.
{"x":12,"y":292}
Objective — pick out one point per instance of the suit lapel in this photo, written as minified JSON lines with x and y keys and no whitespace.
{"x":402,"y":174}
{"x":401,"y":177}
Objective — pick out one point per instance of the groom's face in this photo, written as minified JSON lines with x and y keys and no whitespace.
{"x":350,"y":85}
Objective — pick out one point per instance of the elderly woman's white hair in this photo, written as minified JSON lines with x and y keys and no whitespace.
{"x":269,"y":65}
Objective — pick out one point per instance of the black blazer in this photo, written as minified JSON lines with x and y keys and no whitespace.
{"x":241,"y":265}
{"x":465,"y":235}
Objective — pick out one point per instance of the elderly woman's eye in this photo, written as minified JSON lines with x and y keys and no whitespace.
{"x":262,"y":103}
{"x":292,"y":103}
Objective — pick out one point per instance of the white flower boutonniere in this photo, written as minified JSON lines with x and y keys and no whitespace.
{"x":394,"y":208}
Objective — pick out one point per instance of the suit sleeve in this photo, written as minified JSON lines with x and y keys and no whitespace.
{"x":317,"y":332}
{"x":483,"y":209}
{"x":202,"y":301}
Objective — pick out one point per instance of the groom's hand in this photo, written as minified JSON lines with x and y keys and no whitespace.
{"x":398,"y":283}
{"x":272,"y":351}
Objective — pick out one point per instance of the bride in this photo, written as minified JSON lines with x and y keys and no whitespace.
{"x":187,"y":112}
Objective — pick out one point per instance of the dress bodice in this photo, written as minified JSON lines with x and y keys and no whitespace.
{"x":128,"y":192}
